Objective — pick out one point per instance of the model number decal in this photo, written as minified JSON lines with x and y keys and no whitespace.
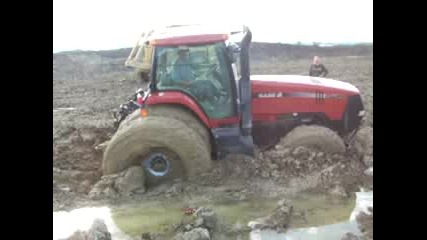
{"x":270,"y":95}
{"x":319,"y":96}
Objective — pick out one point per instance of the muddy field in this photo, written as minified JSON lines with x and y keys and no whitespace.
{"x":82,"y":119}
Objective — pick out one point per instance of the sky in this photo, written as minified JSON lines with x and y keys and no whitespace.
{"x":111,"y":24}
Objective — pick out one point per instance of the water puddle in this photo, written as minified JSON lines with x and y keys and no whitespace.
{"x":311,"y":210}
{"x":324,"y":232}
{"x":66,"y":223}
{"x":328,"y":232}
{"x":315,"y":217}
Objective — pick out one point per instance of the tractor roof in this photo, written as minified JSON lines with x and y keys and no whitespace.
{"x":187,"y":35}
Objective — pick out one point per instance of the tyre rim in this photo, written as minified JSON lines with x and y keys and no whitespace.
{"x":157,"y":165}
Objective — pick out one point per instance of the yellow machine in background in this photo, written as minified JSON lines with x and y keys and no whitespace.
{"x":141,"y":55}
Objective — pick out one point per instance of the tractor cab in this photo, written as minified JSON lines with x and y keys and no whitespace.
{"x":205,"y":70}
{"x":201,"y":71}
{"x":205,"y":65}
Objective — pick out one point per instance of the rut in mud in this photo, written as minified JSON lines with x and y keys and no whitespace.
{"x":77,"y":162}
{"x":272,"y":173}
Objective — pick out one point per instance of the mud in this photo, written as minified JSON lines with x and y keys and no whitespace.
{"x":272,"y":173}
{"x":76,"y":161}
{"x":223,"y":220}
{"x":233,"y":189}
{"x":365,"y":223}
{"x":98,"y":231}
{"x":74,"y":149}
{"x":84,"y":121}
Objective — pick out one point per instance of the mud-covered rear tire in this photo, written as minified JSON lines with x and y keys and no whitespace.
{"x":314,"y":136}
{"x":179,"y":113}
{"x":140,"y":139}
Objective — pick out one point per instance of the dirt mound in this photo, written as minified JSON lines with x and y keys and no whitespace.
{"x":98,"y":231}
{"x":77,"y":167}
{"x":194,"y":234}
{"x":295,"y":169}
{"x":285,"y":163}
{"x":63,"y":198}
{"x":198,"y":220}
{"x":301,"y":166}
{"x":365,"y":144}
{"x":278,"y":220}
{"x":126,"y":183}
{"x":365,"y":223}
{"x":350,"y":236}
{"x":204,"y":223}
{"x":76,"y":162}
{"x":74,"y":149}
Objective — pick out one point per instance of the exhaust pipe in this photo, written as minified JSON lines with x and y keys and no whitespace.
{"x":245,"y":84}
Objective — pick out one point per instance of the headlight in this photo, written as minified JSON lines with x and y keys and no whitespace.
{"x":361,"y":113}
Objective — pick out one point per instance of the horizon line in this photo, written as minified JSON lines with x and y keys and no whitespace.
{"x":325,"y":44}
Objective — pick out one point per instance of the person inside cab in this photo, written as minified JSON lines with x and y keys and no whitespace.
{"x":181,"y":71}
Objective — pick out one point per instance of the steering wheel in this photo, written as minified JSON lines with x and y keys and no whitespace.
{"x":204,"y":89}
{"x":210,"y":71}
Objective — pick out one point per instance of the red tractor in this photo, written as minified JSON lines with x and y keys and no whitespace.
{"x":202,"y":104}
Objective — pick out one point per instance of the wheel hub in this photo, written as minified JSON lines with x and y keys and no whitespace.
{"x":157,"y":164}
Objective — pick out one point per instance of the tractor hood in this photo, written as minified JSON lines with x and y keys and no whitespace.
{"x":308,"y":81}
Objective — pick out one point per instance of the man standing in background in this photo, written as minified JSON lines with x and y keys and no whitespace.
{"x":317,"y":69}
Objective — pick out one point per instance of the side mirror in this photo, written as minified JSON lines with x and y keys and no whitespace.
{"x":233,"y":52}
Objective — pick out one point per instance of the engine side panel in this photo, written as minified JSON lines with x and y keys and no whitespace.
{"x":270,"y":100}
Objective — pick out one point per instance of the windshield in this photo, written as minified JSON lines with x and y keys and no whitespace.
{"x":199,"y":70}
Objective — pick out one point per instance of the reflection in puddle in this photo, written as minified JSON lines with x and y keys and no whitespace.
{"x":317,"y":217}
{"x":326,"y":232}
{"x":311,"y":210}
{"x":66,"y":223}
